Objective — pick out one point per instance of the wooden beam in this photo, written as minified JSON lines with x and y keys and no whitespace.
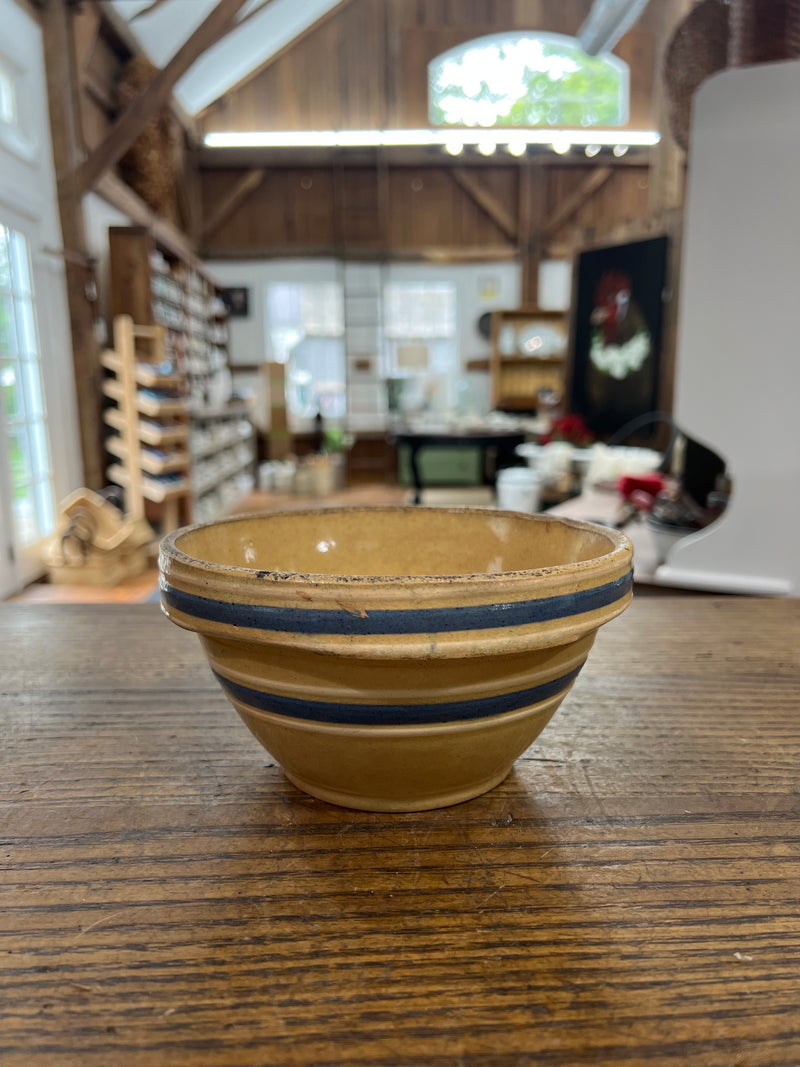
{"x":62,"y":89}
{"x":117,"y":27}
{"x":115,"y":192}
{"x":486,"y":201}
{"x":572,"y":204}
{"x":532,"y":194}
{"x":667,"y":161}
{"x":431,"y":254}
{"x":243,"y":189}
{"x":250,"y":14}
{"x":135,"y":117}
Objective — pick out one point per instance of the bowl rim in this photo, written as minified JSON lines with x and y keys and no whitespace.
{"x":620,"y":549}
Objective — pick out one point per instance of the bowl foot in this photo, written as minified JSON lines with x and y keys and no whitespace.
{"x":397,"y":804}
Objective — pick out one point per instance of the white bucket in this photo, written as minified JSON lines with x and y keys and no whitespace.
{"x":518,"y":489}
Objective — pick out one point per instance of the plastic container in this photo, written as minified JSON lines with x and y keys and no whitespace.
{"x":518,"y":489}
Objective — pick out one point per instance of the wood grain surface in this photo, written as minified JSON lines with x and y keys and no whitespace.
{"x":629,"y":895}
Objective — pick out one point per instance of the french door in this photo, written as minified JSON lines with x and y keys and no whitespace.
{"x":26,"y":478}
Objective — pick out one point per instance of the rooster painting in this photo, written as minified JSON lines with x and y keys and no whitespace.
{"x":618,"y":325}
{"x":620,"y":339}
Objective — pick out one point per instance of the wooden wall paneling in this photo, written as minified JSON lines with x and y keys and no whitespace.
{"x":562,"y":211}
{"x":362,"y":60}
{"x":470,"y":180}
{"x":366,"y":65}
{"x":290,"y":207}
{"x":360,"y":220}
{"x":415,"y":210}
{"x":238,"y":196}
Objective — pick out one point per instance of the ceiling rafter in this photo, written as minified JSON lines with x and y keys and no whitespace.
{"x":134,"y":119}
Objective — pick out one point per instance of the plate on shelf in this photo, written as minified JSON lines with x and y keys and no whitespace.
{"x":541,"y":340}
{"x":220,"y":387}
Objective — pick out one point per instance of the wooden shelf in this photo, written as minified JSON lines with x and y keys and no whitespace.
{"x":144,"y":376}
{"x":517,"y":378}
{"x":149,"y":463}
{"x":152,"y":490}
{"x":149,"y":433}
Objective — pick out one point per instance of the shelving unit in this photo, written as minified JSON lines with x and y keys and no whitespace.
{"x":149,"y":417}
{"x":156,"y":288}
{"x":528,"y":353}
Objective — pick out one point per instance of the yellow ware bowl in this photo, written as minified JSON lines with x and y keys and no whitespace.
{"x":396,"y":658}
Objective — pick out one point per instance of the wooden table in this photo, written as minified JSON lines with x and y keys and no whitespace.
{"x":629,"y":895}
{"x":501,"y":444}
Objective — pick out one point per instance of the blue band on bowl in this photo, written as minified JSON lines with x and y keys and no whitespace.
{"x":396,"y":714}
{"x":396,"y":621}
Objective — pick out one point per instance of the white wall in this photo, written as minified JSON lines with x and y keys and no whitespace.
{"x":480,"y":287}
{"x":248,"y":335}
{"x":28,"y":201}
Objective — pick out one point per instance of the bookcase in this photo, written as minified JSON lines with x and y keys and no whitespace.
{"x":157,"y":289}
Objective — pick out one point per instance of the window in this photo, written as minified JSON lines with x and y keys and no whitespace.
{"x":543,"y":79}
{"x":23,"y":424}
{"x":8,"y":95}
{"x":420,"y":328}
{"x":420,"y":343}
{"x":305,"y":328}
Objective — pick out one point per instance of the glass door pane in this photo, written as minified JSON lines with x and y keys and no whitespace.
{"x":26,"y":489}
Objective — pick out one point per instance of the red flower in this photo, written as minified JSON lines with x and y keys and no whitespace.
{"x":571,"y":428}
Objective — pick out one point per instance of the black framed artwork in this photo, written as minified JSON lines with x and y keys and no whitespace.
{"x":616,"y":357}
{"x":237,"y":300}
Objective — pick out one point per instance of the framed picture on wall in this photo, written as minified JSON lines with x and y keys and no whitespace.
{"x":237,"y":300}
{"x":617,"y":333}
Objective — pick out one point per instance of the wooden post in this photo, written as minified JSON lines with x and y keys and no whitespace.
{"x":61,"y":95}
{"x":532,"y":191}
{"x":667,"y":159}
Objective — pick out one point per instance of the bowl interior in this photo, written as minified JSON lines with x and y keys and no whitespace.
{"x":399,"y":541}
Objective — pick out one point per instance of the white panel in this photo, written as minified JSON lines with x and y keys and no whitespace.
{"x":738,"y":375}
{"x":163,"y":31}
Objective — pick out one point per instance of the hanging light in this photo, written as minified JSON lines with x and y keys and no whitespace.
{"x":516,"y":146}
{"x":487,"y":146}
{"x":561,"y":143}
{"x":592,"y":150}
{"x":453,"y":146}
{"x":620,"y":149}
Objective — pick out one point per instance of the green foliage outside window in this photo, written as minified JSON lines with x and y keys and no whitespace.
{"x":527,"y":80}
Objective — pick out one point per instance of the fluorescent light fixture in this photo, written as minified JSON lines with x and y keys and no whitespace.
{"x":395,"y":138}
{"x":592,"y":150}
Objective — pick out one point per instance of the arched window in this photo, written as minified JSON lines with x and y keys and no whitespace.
{"x":526,"y":79}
